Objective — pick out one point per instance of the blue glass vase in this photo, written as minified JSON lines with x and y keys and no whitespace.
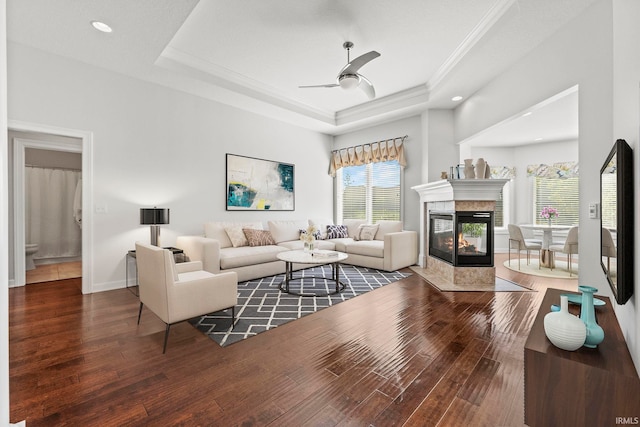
{"x":595,"y":334}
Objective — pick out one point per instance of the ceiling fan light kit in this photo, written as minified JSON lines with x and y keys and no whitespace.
{"x":349,"y":81}
{"x":349,"y":78}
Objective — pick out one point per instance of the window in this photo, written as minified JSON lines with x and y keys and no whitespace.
{"x":561,"y":194}
{"x":370,"y":192}
{"x":498,"y":215}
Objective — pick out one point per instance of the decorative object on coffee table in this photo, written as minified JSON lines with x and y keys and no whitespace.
{"x":308,"y":236}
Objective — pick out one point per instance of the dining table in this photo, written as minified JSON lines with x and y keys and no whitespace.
{"x":546,"y":256}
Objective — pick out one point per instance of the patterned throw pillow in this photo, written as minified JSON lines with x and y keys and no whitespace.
{"x":336,"y":231}
{"x":317,"y":234}
{"x":236,"y":236}
{"x":366,"y":232}
{"x":258,"y":237}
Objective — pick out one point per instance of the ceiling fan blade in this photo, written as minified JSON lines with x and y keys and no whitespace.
{"x":312,"y":86}
{"x":353,"y":66}
{"x":367,"y":87}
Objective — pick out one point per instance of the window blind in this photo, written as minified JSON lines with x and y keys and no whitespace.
{"x":370,"y":192}
{"x":561,"y":194}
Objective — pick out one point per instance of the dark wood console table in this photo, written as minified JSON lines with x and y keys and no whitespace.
{"x":586,"y":387}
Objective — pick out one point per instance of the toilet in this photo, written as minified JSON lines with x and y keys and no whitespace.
{"x":31,"y":249}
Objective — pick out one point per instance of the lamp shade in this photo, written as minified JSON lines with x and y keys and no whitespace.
{"x":154,"y":216}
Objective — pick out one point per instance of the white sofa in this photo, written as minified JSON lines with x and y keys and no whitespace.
{"x":392,"y":247}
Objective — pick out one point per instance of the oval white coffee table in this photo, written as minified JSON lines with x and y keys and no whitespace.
{"x":318,"y":257}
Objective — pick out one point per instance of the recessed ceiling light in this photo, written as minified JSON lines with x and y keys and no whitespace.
{"x":528,"y":113}
{"x":538,"y":139}
{"x":101,"y":26}
{"x":456,"y":98}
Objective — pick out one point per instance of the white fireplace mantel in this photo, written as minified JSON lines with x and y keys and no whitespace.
{"x":460,"y":189}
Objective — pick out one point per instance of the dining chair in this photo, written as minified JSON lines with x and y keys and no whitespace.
{"x":178,"y":292}
{"x":608,"y":247}
{"x":569,"y":247}
{"x":529,"y":235}
{"x":519,"y":242}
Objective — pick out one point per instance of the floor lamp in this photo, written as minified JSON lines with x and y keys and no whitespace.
{"x":154,"y":217}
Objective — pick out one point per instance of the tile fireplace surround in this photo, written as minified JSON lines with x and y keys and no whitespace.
{"x":456,"y":195}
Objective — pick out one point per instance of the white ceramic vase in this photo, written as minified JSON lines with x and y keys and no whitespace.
{"x":563,"y":329}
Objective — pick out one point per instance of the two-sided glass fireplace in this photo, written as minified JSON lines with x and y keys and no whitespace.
{"x":462,"y":238}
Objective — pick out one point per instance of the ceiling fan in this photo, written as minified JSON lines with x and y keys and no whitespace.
{"x":349,"y":78}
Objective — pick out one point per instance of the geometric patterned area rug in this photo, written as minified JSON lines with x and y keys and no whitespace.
{"x":261,"y":306}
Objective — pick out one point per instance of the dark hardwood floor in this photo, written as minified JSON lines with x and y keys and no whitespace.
{"x":404,"y":354}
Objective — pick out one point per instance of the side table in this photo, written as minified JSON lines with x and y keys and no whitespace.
{"x":178,"y":255}
{"x":587,"y":387}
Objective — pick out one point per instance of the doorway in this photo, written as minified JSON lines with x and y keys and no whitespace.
{"x":27,"y":137}
{"x":53,"y":214}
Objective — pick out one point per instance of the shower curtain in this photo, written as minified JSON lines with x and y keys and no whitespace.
{"x":50,"y":221}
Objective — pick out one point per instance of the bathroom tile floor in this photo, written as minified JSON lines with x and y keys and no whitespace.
{"x":49,"y":272}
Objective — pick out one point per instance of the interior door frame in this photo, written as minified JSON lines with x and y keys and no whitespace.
{"x":83,"y":145}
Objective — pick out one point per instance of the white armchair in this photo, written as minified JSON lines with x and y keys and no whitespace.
{"x":178,"y":292}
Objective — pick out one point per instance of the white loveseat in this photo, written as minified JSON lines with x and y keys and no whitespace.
{"x":392,"y":247}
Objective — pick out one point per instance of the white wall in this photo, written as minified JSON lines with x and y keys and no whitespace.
{"x":581,"y":53}
{"x":441,"y":151}
{"x":413,"y":152}
{"x":155,"y":146}
{"x":626,"y":125}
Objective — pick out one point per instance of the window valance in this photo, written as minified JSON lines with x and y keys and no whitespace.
{"x":560,"y":170}
{"x":381,"y":151}
{"x":503,"y":172}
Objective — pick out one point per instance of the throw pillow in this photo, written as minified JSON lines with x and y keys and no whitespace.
{"x":317,"y":234}
{"x":352,"y":226}
{"x":366,"y":232}
{"x":321,"y":225}
{"x":258,"y":237}
{"x":237,"y":237}
{"x":336,"y":231}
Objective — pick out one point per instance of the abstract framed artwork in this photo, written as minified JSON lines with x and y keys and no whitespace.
{"x":258,"y":184}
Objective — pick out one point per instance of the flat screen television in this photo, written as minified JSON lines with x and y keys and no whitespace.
{"x":616,"y":220}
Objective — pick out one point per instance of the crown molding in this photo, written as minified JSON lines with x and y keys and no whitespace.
{"x":486,"y":23}
{"x":413,"y":98}
{"x":208,"y":73}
